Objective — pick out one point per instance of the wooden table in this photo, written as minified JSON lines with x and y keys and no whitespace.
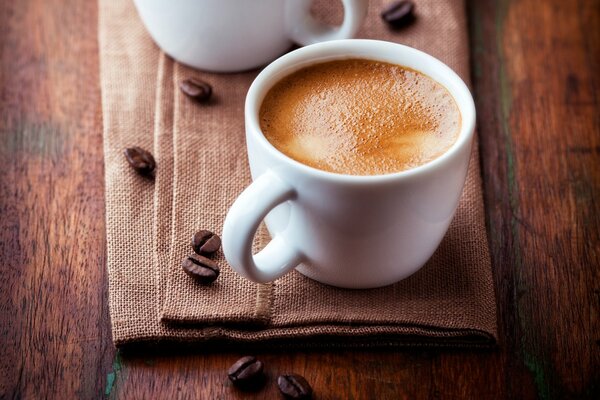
{"x":536,"y":75}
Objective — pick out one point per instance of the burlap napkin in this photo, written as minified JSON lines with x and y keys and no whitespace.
{"x":202,"y":167}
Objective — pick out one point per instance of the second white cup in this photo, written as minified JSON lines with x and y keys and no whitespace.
{"x":237,"y":35}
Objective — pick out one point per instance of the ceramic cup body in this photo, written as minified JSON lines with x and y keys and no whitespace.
{"x":236,"y":35}
{"x":343,"y":230}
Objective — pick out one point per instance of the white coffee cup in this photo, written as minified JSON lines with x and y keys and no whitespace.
{"x":236,"y":35}
{"x":344,"y":230}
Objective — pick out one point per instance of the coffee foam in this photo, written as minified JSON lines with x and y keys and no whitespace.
{"x":360,"y":117}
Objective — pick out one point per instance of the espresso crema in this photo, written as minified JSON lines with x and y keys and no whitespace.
{"x":360,"y":117}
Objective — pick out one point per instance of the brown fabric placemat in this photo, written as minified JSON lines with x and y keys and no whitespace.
{"x":202,"y":168}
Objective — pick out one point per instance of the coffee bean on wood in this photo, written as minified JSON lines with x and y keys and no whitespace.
{"x":196,"y":89}
{"x":203,"y":269}
{"x":205,"y":243}
{"x":140,"y":160}
{"x":294,"y":386}
{"x":399,"y":14}
{"x":247,"y":373}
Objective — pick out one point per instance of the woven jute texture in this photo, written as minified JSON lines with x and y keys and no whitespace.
{"x":202,"y":167}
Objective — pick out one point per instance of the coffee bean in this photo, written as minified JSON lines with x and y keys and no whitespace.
{"x":247,"y":373}
{"x":294,"y":386}
{"x":202,"y":269}
{"x":140,"y":160}
{"x":399,"y":13}
{"x":196,"y":89}
{"x":205,"y":243}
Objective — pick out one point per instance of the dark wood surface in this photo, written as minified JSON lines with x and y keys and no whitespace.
{"x":536,"y":74}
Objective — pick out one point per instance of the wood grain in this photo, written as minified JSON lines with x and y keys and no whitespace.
{"x":535,"y":74}
{"x":536,"y":82}
{"x":54,"y":318}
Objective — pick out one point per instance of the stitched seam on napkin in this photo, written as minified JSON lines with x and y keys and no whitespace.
{"x":163,"y":196}
{"x":264,"y":298}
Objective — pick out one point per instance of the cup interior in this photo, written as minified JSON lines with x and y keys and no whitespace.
{"x":371,"y":50}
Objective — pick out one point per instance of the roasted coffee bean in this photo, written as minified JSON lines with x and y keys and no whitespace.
{"x":140,"y":160}
{"x":247,"y":373}
{"x":399,"y":13}
{"x":196,"y":89}
{"x":294,"y":386}
{"x":202,"y":269}
{"x":205,"y":243}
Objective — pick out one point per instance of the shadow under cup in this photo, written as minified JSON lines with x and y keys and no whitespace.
{"x":345,"y":230}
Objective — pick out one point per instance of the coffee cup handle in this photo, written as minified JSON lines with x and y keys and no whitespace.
{"x":304,"y":29}
{"x":241,"y":223}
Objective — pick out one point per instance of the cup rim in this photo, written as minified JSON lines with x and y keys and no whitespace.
{"x":365,"y":49}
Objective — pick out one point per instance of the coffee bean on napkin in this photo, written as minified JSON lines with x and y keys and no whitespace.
{"x":203,"y":269}
{"x":140,"y":160}
{"x":205,"y":243}
{"x":399,"y":13}
{"x":294,"y":386}
{"x":196,"y":89}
